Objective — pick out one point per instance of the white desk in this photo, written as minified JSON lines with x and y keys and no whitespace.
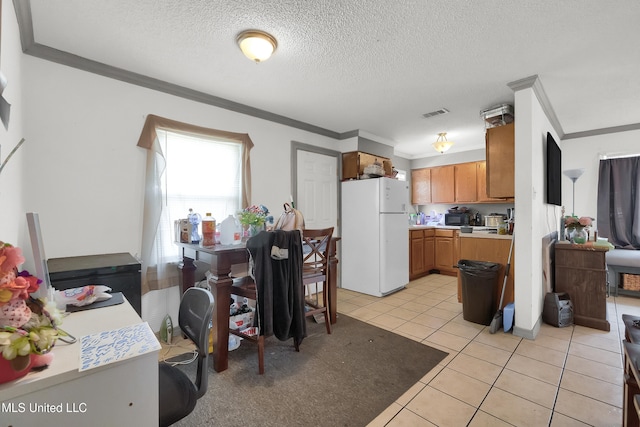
{"x":124,"y":393}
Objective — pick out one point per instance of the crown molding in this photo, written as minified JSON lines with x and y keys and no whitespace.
{"x":533,"y":82}
{"x":31,"y":47}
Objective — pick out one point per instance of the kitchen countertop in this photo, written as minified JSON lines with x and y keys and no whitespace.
{"x":479,"y":232}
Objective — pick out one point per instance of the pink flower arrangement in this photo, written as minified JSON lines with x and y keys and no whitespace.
{"x":14,"y":285}
{"x":573,"y":222}
{"x":27,"y":326}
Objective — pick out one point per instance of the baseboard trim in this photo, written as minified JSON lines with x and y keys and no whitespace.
{"x":529,"y":334}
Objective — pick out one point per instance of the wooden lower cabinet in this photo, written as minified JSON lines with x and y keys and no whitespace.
{"x":421,"y":252}
{"x":416,"y":254}
{"x":490,"y":250}
{"x":446,"y":251}
{"x":581,"y":272}
{"x":429,"y":250}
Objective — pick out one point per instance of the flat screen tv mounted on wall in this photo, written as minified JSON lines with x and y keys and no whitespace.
{"x":554,"y":172}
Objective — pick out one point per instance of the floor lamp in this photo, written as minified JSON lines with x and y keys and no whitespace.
{"x":573,"y":175}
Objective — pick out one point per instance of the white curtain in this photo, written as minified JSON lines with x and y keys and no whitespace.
{"x":159,"y":269}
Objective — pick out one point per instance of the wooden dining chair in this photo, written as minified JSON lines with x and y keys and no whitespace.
{"x":316,"y":244}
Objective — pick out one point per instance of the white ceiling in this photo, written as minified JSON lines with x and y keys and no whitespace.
{"x":370,"y":65}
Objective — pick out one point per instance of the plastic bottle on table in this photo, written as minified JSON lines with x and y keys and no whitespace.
{"x":208,"y":230}
{"x":194,"y":219}
{"x":227,"y":230}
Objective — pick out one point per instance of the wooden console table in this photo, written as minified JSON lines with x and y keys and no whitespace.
{"x":581,"y":272}
{"x":222,"y":258}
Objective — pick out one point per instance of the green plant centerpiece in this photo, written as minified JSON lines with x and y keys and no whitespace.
{"x":254,"y":218}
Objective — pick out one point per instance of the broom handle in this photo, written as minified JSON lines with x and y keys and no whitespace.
{"x":507,"y":268}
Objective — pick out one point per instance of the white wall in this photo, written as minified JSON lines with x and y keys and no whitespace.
{"x":12,"y":195}
{"x":81,"y":169}
{"x":584,"y":153}
{"x":535,"y":219}
{"x":87,"y":183}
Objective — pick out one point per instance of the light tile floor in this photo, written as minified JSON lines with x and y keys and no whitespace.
{"x":570,"y":376}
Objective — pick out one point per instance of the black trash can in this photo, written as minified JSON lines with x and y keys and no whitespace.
{"x":479,"y":280}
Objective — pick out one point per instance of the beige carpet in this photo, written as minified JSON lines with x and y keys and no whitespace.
{"x":343,"y":379}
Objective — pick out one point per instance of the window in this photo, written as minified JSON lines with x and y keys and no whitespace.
{"x":201,"y":173}
{"x":187,"y":166}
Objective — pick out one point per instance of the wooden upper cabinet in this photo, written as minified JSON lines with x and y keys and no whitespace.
{"x":421,"y":186}
{"x":354,"y":162}
{"x":458,"y":183}
{"x":481,"y":177}
{"x":465,"y":182}
{"x":442,"y":184}
{"x":500,"y":146}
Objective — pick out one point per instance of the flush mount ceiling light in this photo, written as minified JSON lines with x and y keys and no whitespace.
{"x":441,"y":145}
{"x":256,"y":45}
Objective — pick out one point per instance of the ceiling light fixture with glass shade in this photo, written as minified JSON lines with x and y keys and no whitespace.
{"x":257,"y":45}
{"x":441,"y":145}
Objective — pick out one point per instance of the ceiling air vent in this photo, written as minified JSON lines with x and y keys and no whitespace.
{"x":435,"y":113}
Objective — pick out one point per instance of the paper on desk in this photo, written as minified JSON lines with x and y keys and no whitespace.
{"x":113,"y":346}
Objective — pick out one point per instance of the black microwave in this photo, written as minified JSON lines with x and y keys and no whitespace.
{"x":457,"y":219}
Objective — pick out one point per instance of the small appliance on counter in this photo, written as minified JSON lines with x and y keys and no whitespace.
{"x":478,"y":219}
{"x":457,"y":216}
{"x":457,"y":219}
{"x":493,"y":220}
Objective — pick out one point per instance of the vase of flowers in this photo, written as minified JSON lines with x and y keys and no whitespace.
{"x":577,"y":228}
{"x":28,"y":326}
{"x":253,"y":218}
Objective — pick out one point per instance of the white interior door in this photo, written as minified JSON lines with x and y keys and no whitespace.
{"x":317,"y":195}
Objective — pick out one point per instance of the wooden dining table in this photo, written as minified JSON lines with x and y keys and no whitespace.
{"x":221,"y":260}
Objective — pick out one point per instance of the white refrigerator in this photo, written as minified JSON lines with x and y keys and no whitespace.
{"x":375,"y":235}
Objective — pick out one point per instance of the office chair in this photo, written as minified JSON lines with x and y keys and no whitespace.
{"x":178,"y":394}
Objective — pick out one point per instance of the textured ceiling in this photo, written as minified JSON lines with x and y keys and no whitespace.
{"x":374,"y":65}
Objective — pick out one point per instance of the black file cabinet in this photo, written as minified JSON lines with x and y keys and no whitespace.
{"x":120,"y":272}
